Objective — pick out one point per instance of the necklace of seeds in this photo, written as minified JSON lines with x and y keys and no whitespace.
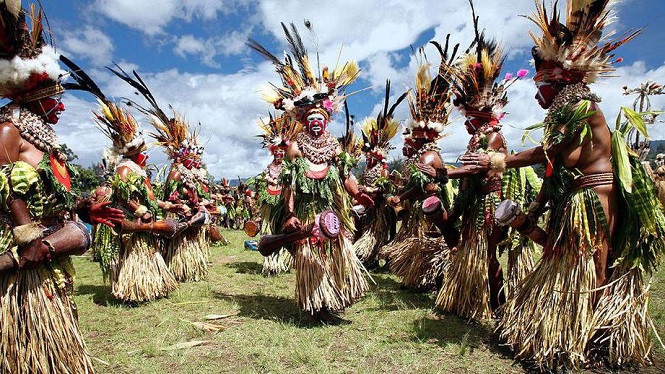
{"x":317,"y":150}
{"x":33,"y":129}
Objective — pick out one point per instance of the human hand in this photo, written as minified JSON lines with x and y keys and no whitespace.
{"x":104,"y":214}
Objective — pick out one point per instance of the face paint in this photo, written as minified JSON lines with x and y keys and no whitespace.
{"x":278,"y":155}
{"x":142,"y":159}
{"x":316,"y":123}
{"x":49,"y":108}
{"x":545,"y":94}
{"x":472,"y":124}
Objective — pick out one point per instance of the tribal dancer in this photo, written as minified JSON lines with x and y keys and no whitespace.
{"x":40,"y":332}
{"x":141,"y":273}
{"x":185,"y":253}
{"x":278,"y":135}
{"x":419,"y":259}
{"x":329,"y":276}
{"x":473,"y":285}
{"x":565,"y":309}
{"x":377,"y":134}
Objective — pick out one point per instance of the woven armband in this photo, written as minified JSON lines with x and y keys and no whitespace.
{"x":24,"y":234}
{"x":497,"y":161}
{"x":140,"y":211}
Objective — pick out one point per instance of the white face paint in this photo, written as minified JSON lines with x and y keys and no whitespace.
{"x":316,"y":124}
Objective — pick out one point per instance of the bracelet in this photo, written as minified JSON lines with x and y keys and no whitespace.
{"x":24,"y":234}
{"x":497,"y":161}
{"x":140,"y":211}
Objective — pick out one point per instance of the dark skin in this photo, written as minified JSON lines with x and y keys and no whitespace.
{"x":15,"y":148}
{"x":590,"y":157}
{"x":495,"y":272}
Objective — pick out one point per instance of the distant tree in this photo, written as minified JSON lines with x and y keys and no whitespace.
{"x":64,"y":148}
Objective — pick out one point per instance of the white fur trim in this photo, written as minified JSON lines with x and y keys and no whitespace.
{"x":14,"y":73}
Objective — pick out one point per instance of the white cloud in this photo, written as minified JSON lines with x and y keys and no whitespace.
{"x":152,"y":16}
{"x":207,"y":50}
{"x":89,"y":43}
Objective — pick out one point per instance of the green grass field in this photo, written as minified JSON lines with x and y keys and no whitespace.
{"x":263,"y":331}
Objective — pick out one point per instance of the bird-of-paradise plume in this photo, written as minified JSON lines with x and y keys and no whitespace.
{"x":120,"y":127}
{"x":301,"y":86}
{"x":172,"y":133}
{"x":377,"y":132}
{"x":477,"y":88}
{"x":278,"y":130}
{"x":577,"y":50}
{"x":29,"y":68}
{"x":429,"y":101}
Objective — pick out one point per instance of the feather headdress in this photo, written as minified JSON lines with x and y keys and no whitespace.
{"x":477,"y":91}
{"x":29,"y":67}
{"x":576,"y":51}
{"x":429,"y":100}
{"x":377,"y":132}
{"x":172,"y":133}
{"x":302,"y":87}
{"x":278,"y":131}
{"x":121,"y":127}
{"x":116,"y":123}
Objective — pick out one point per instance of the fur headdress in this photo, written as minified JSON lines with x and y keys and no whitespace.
{"x":429,"y":101}
{"x":302,"y":87}
{"x":29,"y":68}
{"x":576,"y":51}
{"x":378,"y":132}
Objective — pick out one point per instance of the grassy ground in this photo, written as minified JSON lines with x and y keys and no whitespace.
{"x":392,"y":330}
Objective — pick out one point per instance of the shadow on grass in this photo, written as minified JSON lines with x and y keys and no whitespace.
{"x":391,"y":295}
{"x":246,"y":267}
{"x":280,"y":309}
{"x":101,"y":295}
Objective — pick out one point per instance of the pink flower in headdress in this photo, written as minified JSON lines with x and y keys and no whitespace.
{"x":522,"y":73}
{"x":478,"y":65}
{"x":509,"y":76}
{"x":328,"y":105}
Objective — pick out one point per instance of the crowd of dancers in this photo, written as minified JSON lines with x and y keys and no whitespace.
{"x":571,"y":293}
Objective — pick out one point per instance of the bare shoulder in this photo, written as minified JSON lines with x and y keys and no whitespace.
{"x":431,"y":158}
{"x":497,"y":142}
{"x":9,"y":132}
{"x":123,"y":172}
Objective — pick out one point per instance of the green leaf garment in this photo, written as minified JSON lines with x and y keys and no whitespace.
{"x":40,"y":332}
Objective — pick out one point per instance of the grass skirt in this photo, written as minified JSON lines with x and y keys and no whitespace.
{"x":623,"y":324}
{"x":278,"y":262}
{"x":465,"y":289}
{"x":421,"y":262}
{"x":185,"y":257}
{"x":329,"y":277}
{"x":549,"y":320}
{"x":40,"y":332}
{"x":106,"y":246}
{"x":141,"y":274}
{"x":520,"y":263}
{"x":376,"y":235}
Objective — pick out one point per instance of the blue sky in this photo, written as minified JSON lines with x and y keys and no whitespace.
{"x":192,"y":55}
